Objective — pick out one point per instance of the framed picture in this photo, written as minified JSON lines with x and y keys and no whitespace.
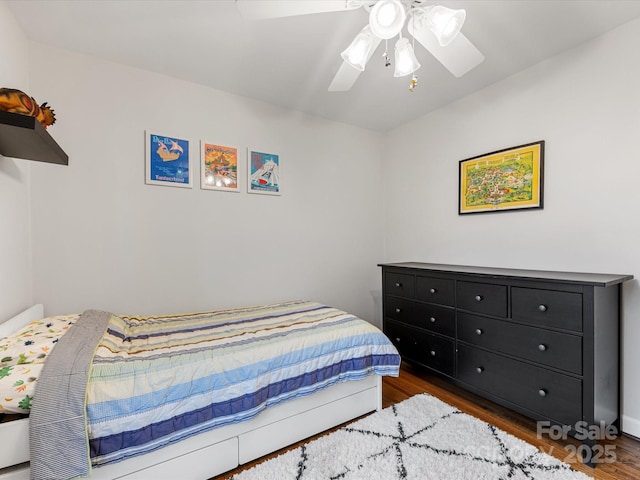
{"x":509,"y":179}
{"x":218,"y":167}
{"x":168,"y":160}
{"x":263,"y":173}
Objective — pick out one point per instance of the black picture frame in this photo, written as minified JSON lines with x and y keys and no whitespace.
{"x":502,"y":181}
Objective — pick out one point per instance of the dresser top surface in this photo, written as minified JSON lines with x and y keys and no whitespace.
{"x":598,"y":279}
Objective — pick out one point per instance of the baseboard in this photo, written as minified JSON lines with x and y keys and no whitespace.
{"x":631,"y":426}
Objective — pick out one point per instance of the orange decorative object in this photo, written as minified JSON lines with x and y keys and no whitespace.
{"x":16,"y":101}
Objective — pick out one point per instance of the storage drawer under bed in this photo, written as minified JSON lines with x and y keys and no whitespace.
{"x":17,"y":449}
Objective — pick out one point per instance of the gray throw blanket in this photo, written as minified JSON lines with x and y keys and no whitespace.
{"x":58,"y":415}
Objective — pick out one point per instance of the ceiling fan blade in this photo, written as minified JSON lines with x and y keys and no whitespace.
{"x":347,"y":75}
{"x":459,"y":57}
{"x":262,"y":9}
{"x":344,"y":79}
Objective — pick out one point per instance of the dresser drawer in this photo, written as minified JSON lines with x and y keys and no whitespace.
{"x":430,"y":317}
{"x":548,"y":308}
{"x":559,"y":350}
{"x":399,"y":309}
{"x":549,"y":394}
{"x":483,"y":298}
{"x":427,"y":349}
{"x":434,"y":318}
{"x":435,"y":290}
{"x":399,"y":284}
{"x":403,"y":338}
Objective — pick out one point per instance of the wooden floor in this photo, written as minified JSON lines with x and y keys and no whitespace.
{"x":623,"y":453}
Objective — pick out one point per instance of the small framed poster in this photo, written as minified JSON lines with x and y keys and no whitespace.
{"x":264,"y":170}
{"x":218,"y":167}
{"x":168,"y":160}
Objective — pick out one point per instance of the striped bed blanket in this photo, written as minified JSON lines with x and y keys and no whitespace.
{"x":120,"y":386}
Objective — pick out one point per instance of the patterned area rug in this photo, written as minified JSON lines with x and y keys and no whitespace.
{"x":419,"y":439}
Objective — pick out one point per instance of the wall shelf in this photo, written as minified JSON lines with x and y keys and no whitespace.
{"x":22,"y":136}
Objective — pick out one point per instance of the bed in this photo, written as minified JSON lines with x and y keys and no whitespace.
{"x":230,"y":422}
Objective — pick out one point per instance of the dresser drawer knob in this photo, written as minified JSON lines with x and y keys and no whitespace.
{"x":398,"y":284}
{"x":433,"y":353}
{"x":479,"y":369}
{"x":542,"y":392}
{"x":432,"y":290}
{"x":398,"y":310}
{"x":542,"y":347}
{"x":398,"y":339}
{"x":432,"y":319}
{"x":542,"y":308}
{"x":479,"y":331}
{"x":478,"y":298}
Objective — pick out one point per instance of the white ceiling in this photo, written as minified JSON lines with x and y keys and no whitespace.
{"x":291,"y":61}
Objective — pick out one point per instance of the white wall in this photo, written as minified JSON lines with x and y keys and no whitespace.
{"x":15,"y":247}
{"x":586,"y":105}
{"x":104,"y":239}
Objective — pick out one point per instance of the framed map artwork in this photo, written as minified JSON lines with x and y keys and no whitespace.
{"x":509,"y":179}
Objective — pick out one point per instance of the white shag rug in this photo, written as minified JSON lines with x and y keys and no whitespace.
{"x":421,"y":438}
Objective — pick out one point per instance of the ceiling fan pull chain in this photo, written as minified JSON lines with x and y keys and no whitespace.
{"x":414,"y":78}
{"x":414,"y":82}
{"x":385,"y":55}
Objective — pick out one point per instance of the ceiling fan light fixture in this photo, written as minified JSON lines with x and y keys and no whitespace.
{"x":445,"y":23}
{"x":387,"y":18}
{"x":357,"y":53}
{"x":405,"y":59}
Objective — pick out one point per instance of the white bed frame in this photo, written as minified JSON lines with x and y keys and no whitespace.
{"x":214,"y":452}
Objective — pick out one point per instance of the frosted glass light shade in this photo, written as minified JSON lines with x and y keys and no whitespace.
{"x":357,"y":53}
{"x":444,"y":22}
{"x":406,"y":61}
{"x":387,"y":18}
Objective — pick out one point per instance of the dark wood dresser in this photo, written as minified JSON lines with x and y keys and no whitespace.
{"x":545,"y":344}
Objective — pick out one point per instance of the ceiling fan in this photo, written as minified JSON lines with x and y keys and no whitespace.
{"x":435,"y":27}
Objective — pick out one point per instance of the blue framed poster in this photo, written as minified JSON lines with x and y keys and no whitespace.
{"x":263,"y":173}
{"x":168,"y":160}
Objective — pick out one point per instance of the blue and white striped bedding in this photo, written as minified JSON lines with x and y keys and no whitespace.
{"x":156,"y":380}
